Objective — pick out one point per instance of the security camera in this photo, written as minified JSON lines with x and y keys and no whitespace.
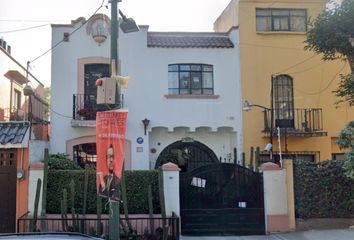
{"x":268,"y":147}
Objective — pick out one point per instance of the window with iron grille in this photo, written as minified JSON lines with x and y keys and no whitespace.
{"x":273,"y":19}
{"x":283,"y":100}
{"x":85,"y":154}
{"x":190,"y":79}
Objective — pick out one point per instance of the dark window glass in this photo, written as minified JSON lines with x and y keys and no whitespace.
{"x":283,"y":97}
{"x":272,"y":19}
{"x":190,"y":79}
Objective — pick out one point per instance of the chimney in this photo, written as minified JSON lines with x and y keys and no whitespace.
{"x":9,"y":49}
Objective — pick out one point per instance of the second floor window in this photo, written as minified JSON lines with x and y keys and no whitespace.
{"x":190,"y":79}
{"x":283,"y":97}
{"x":272,"y":19}
{"x":17,"y":100}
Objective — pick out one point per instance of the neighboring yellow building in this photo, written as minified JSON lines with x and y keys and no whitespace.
{"x":272,"y":35}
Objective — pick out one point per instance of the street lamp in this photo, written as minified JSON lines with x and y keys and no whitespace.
{"x":248,"y":106}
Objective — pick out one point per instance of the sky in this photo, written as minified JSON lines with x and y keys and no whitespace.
{"x":37,"y":15}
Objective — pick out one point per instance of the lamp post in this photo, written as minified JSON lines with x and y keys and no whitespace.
{"x":128,"y":25}
{"x":248,"y":106}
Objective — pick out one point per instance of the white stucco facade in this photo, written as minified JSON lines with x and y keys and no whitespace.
{"x":215,"y":121}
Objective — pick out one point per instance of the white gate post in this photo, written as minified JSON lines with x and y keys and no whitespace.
{"x":275,"y":198}
{"x":171,"y":188}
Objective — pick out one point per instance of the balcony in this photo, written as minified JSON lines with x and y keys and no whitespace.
{"x":85,"y":109}
{"x":307,"y":122}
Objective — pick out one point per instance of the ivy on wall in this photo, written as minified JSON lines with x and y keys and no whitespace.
{"x":322,"y":190}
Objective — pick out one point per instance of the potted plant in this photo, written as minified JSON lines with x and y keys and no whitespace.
{"x":82,"y":113}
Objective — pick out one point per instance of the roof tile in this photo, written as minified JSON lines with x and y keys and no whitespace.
{"x":189,"y":40}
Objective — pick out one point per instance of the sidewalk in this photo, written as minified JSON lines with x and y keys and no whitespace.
{"x":339,"y":234}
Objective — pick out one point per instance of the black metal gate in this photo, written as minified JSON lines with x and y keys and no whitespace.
{"x":222,"y":199}
{"x":7,"y":190}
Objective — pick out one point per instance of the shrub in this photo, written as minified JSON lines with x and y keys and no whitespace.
{"x":137,"y":190}
{"x":323,"y":190}
{"x":61,"y":162}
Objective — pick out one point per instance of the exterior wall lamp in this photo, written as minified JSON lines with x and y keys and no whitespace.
{"x":146,"y":124}
{"x":248,"y":106}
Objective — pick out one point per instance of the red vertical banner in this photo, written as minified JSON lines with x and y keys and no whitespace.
{"x":110,"y":139}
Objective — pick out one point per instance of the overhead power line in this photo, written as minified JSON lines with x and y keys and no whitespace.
{"x":57,"y":44}
{"x":24,"y":29}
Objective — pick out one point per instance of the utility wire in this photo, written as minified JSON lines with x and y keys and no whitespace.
{"x":24,"y":29}
{"x":57,"y":44}
{"x":51,"y":109}
{"x":324,"y":89}
{"x":27,"y":21}
{"x":297,"y":64}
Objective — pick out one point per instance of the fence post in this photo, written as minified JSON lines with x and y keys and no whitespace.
{"x":288,"y":165}
{"x":171,"y":188}
{"x":275,"y":198}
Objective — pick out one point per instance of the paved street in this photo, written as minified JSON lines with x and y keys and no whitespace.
{"x":342,"y":234}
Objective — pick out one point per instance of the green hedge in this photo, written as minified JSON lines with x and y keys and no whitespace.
{"x":322,"y":190}
{"x":137,"y":190}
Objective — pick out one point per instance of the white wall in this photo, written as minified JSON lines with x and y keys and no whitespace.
{"x":145,"y":97}
{"x":36,"y":150}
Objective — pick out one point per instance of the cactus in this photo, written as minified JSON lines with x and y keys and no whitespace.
{"x":86,"y":178}
{"x":44,"y":193}
{"x":162,"y":204}
{"x":243,"y":159}
{"x":64,"y":208}
{"x":125,"y":203}
{"x":151,"y":210}
{"x":33,"y":221}
{"x":74,"y":217}
{"x":99,"y":213}
{"x":256,"y":162}
{"x":251,"y":158}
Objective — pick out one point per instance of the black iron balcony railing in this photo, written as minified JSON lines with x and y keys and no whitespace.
{"x":85,"y":106}
{"x":35,"y":109}
{"x":306,"y":122}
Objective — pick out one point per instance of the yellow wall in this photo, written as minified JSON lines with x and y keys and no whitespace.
{"x":264,"y":54}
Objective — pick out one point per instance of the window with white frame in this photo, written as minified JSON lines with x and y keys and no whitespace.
{"x":190,"y":79}
{"x":273,"y":19}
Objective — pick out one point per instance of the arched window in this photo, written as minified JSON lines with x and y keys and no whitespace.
{"x":190,"y":79}
{"x":283,"y":100}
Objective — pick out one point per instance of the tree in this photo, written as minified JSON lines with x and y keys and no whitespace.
{"x":346,"y":140}
{"x":332,"y":34}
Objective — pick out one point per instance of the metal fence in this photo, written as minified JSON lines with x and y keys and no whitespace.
{"x":131,"y":228}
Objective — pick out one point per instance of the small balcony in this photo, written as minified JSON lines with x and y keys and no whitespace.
{"x":85,"y":108}
{"x":307,"y":122}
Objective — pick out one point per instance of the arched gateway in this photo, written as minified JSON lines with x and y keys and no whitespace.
{"x":215,"y":198}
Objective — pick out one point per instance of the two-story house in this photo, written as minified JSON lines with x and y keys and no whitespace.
{"x":285,"y":85}
{"x":184,"y":96}
{"x":23,"y":135}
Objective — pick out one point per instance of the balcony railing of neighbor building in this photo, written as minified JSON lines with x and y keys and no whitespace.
{"x":307,"y":122}
{"x":85,"y":106}
{"x":35,"y":109}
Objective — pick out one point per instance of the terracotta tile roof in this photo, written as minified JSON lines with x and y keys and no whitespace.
{"x":13,"y":132}
{"x":188,"y":40}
